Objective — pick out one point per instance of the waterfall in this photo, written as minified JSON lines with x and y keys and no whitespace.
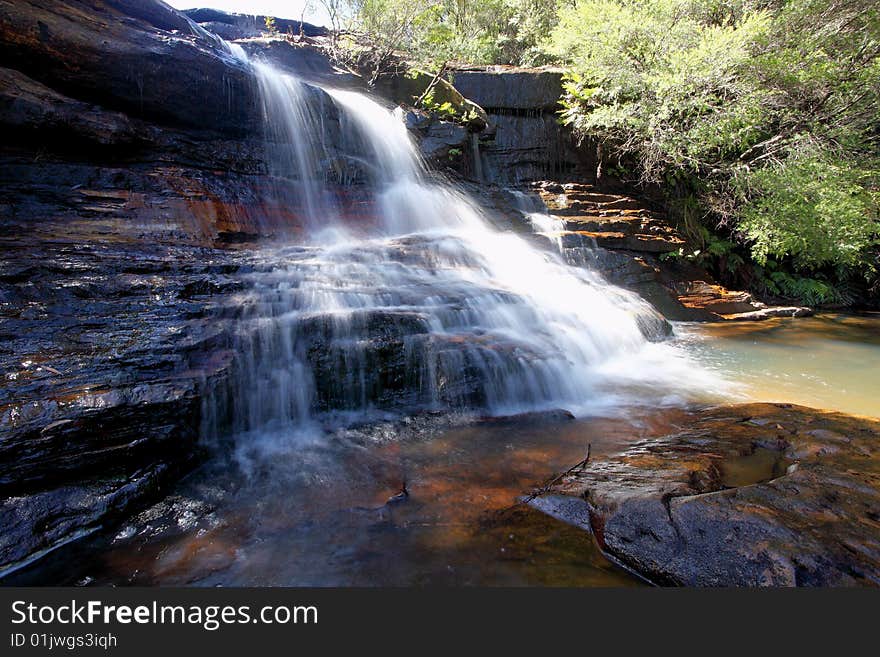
{"x":429,"y":306}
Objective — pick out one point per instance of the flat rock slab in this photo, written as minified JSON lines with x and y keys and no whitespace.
{"x":745,"y":495}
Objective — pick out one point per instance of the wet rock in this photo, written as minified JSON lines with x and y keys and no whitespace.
{"x":531,"y":418}
{"x":303,"y":60}
{"x":749,"y":495}
{"x":388,"y":360}
{"x":625,"y":240}
{"x":441,"y":138}
{"x":35,"y":113}
{"x":238,"y":26}
{"x":107,"y":345}
{"x":50,"y":440}
{"x":38,"y":523}
{"x":511,"y":88}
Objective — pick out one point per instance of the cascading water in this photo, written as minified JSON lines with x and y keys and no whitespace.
{"x":536,"y":212}
{"x":427,"y":307}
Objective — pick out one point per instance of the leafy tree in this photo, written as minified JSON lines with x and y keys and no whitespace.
{"x":766,"y":113}
{"x":478,"y":31}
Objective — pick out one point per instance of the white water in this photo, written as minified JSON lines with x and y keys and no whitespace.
{"x":431,"y":307}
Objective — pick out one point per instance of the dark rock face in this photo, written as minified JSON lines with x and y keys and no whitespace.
{"x":37,"y":523}
{"x":514,"y":89}
{"x":524,"y":141}
{"x":133,"y":166}
{"x":384,"y":359}
{"x":242,"y":26}
{"x":441,"y":142}
{"x":141,"y":58}
{"x":302,"y":60}
{"x":751,"y":495}
{"x":35,"y":112}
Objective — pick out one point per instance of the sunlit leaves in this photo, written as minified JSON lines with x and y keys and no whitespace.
{"x":769,"y":111}
{"x":814,"y":208}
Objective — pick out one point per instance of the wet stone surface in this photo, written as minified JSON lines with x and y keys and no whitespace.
{"x":749,"y":495}
{"x":105,"y":352}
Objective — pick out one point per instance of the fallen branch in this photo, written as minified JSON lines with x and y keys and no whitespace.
{"x":549,"y":485}
{"x":431,"y":85}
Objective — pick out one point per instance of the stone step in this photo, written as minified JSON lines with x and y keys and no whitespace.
{"x":598,"y":210}
{"x":560,"y":188}
{"x":591,"y":200}
{"x":642,"y":242}
{"x":620,"y":224}
{"x":602,"y":225}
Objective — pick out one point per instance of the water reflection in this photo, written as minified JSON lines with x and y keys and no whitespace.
{"x":322,"y":515}
{"x":828,"y":361}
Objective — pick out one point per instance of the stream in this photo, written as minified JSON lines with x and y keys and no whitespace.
{"x":828,"y":361}
{"x":323,"y":513}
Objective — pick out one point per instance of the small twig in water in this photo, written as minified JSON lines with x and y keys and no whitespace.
{"x":546,"y":487}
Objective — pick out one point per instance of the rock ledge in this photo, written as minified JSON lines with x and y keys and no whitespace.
{"x":746,"y":495}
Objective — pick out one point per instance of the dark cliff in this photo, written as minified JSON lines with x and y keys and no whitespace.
{"x":525,"y":141}
{"x":132,"y":165}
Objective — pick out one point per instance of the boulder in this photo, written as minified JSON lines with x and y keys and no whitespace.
{"x":747,"y":495}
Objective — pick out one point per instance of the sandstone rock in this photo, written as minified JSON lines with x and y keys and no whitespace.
{"x":511,"y":88}
{"x":239,"y":26}
{"x":750,"y":495}
{"x":140,"y":58}
{"x":769,"y":313}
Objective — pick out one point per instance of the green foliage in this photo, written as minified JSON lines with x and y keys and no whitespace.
{"x":445,"y":110}
{"x":813,"y":208}
{"x":478,"y":31}
{"x":656,"y":80}
{"x":713,"y":251}
{"x":812,"y":291}
{"x":767,"y":110}
{"x":271,"y":28}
